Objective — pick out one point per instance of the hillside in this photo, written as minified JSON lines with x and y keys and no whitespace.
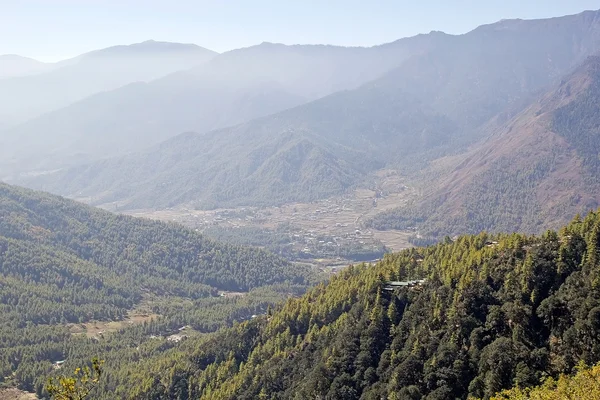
{"x":302,"y":154}
{"x":433,"y":104}
{"x":583,"y":385}
{"x":12,"y":65}
{"x":65,"y":264}
{"x":493,"y":312}
{"x":479,"y":74}
{"x":25,"y":97}
{"x":234,"y":87}
{"x":533,"y":172}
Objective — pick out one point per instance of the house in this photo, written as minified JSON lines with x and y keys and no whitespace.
{"x":393,"y":285}
{"x":176,"y":338}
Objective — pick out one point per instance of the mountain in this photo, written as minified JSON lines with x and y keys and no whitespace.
{"x":12,"y":65}
{"x":479,"y":74}
{"x":234,"y":87}
{"x":25,"y":97}
{"x":301,"y":154}
{"x":67,"y":228}
{"x":464,"y":318}
{"x":532,"y":173}
{"x":103,"y":125}
{"x":64,"y":264}
{"x":434,"y":104}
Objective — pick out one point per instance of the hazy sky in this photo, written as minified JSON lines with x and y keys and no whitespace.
{"x":55,"y":29}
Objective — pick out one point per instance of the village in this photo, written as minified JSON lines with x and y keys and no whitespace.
{"x":327,"y":232}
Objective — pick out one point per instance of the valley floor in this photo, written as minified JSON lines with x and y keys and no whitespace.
{"x":326,"y":233}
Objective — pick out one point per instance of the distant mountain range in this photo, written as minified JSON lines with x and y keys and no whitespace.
{"x":435,"y":103}
{"x":12,"y":65}
{"x":234,"y":87}
{"x":24,"y":97}
{"x":305,"y":153}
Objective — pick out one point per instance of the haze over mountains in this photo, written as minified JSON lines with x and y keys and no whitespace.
{"x":12,"y":65}
{"x":437,"y":101}
{"x":234,"y":87}
{"x":24,"y":97}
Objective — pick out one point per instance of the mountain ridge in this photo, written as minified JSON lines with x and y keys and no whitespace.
{"x":232,"y":88}
{"x":549,"y":180}
{"x":71,"y":80}
{"x":13,"y":65}
{"x":433,"y":105}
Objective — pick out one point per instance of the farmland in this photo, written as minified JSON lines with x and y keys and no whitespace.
{"x":327,"y":232}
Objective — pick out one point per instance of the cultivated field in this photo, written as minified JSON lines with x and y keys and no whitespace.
{"x":313,"y":227}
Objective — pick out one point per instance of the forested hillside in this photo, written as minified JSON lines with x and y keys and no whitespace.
{"x":66,"y":263}
{"x":533,"y":172}
{"x":493,"y":312}
{"x":584,"y":385}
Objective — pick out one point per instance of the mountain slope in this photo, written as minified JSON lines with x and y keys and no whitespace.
{"x":494,"y":312}
{"x":235,"y":87}
{"x":533,"y":172}
{"x":22,"y":98}
{"x":64,"y":264}
{"x":12,"y":65}
{"x":435,"y":103}
{"x":302,"y":154}
{"x":135,"y":249}
{"x":481,"y":73}
{"x":102,"y":125}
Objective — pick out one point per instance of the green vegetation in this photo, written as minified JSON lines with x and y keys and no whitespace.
{"x":495,"y":312}
{"x":63,"y":264}
{"x":584,"y":385}
{"x":78,"y":386}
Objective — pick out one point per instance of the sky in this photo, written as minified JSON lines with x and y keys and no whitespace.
{"x":52,"y":30}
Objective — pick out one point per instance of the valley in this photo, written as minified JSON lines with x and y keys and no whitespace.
{"x":128,"y":282}
{"x":411,"y":220}
{"x":327,"y":233}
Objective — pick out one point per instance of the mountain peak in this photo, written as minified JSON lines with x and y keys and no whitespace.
{"x":15,"y":57}
{"x":585,"y":17}
{"x":147,"y":47}
{"x":15,"y":65}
